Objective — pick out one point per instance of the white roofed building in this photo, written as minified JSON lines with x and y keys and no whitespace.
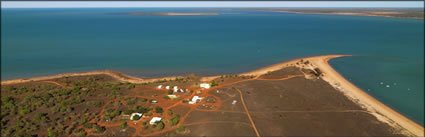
{"x":159,"y":86}
{"x":175,"y":89}
{"x":154,"y":120}
{"x":172,"y":96}
{"x":135,"y":114}
{"x":205,"y":85}
{"x":167,"y":87}
{"x":195,"y":99}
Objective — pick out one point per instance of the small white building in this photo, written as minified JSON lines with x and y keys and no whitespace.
{"x":195,"y":99}
{"x":154,"y":101}
{"x":167,"y":87}
{"x":154,"y":120}
{"x":175,"y":89}
{"x":234,"y":102}
{"x":181,"y":90}
{"x":135,"y":114}
{"x":205,"y":85}
{"x":159,"y":86}
{"x":172,"y":96}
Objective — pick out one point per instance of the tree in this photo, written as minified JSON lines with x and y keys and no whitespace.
{"x":123,"y":125}
{"x":180,"y":128}
{"x":136,"y":117}
{"x":143,"y":99}
{"x":96,"y":103}
{"x":40,"y":117}
{"x":88,"y":125}
{"x":141,"y":109}
{"x":24,"y":111}
{"x":170,"y":91}
{"x":158,"y":109}
{"x":160,"y":126}
{"x":51,"y":133}
{"x":131,"y":86}
{"x":169,"y":112}
{"x":128,"y":112}
{"x":213,"y":83}
{"x":175,"y":120}
{"x":99,"y":129}
{"x":131,"y":102}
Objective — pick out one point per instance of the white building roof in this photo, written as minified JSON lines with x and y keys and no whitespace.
{"x":134,"y":114}
{"x":172,"y":96}
{"x":204,"y":85}
{"x":159,"y":86}
{"x":154,"y":120}
{"x":175,"y":89}
{"x":196,"y":98}
{"x":167,"y":87}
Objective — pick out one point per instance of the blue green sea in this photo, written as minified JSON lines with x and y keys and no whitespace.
{"x":40,"y":42}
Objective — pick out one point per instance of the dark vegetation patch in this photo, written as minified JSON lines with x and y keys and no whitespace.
{"x":283,"y":73}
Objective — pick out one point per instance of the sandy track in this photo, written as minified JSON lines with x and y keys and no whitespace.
{"x":381,"y":111}
{"x":247,"y":113}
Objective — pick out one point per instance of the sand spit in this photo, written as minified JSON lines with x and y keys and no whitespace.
{"x":378,"y":109}
{"x":382,"y":14}
{"x":171,"y":13}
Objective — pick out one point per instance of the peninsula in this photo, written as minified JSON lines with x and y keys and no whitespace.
{"x":288,"y":99}
{"x":417,"y":13}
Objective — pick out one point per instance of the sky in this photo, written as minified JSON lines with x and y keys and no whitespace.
{"x":100,"y":4}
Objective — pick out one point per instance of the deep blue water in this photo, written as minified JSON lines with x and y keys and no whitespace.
{"x":38,"y":42}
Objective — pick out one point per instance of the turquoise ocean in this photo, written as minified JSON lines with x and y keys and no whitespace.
{"x":40,"y":42}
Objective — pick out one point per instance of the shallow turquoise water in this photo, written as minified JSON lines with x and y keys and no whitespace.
{"x":38,"y":42}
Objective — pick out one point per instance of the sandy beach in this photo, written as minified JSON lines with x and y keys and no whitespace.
{"x":378,"y":109}
{"x":117,"y":75}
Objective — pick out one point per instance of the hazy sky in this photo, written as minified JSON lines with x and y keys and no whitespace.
{"x":71,"y":4}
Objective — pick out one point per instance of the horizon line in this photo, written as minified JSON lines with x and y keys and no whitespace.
{"x":216,"y":4}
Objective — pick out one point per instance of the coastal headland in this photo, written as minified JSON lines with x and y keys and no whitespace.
{"x":416,"y":13}
{"x":315,"y":72}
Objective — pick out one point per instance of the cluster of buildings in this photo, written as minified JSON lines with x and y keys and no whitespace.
{"x":153,"y":121}
{"x":194,"y":100}
{"x":175,"y":88}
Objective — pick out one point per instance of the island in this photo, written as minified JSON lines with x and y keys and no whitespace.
{"x":301,"y":97}
{"x":171,"y":13}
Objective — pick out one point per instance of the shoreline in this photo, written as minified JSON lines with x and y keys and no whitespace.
{"x":352,"y":14}
{"x":374,"y":106}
